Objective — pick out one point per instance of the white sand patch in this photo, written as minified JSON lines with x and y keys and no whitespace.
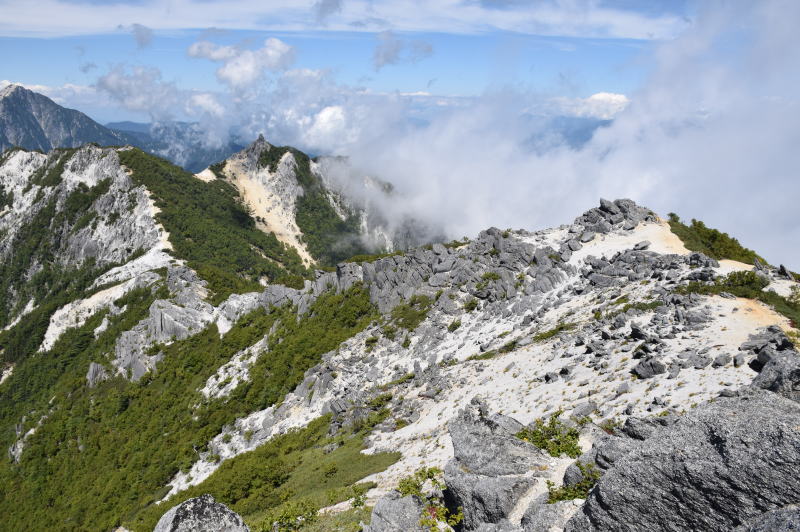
{"x":206,"y":175}
{"x":152,"y":260}
{"x":272,"y":198}
{"x":782,"y":287}
{"x":661,"y":239}
{"x":74,"y":314}
{"x":27,"y":310}
{"x":163,"y":239}
{"x":727,"y":266}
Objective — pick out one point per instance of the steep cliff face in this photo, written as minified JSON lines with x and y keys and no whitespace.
{"x":310,"y":206}
{"x":159,"y":336}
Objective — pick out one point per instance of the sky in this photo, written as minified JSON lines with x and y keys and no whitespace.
{"x":456,"y":101}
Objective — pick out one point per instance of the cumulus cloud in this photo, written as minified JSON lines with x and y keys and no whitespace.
{"x":141,"y":89}
{"x":242,"y":68}
{"x":391,"y":50}
{"x":603,"y":105}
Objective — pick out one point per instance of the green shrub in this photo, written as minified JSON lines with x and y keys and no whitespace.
{"x":488,"y":355}
{"x":291,"y":516}
{"x":434,"y":512}
{"x":558,"y":329}
{"x":6,"y":198}
{"x":413,"y":484}
{"x":471,"y":304}
{"x":717,"y":245}
{"x":409,"y":315}
{"x":553,"y":436}
{"x":454,"y":325}
{"x":380,"y":401}
{"x":589,"y":477}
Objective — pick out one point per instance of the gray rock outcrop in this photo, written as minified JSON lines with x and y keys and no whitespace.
{"x":491,"y":469}
{"x":394,"y":513}
{"x":714,"y":469}
{"x":782,"y":520}
{"x":201,"y":514}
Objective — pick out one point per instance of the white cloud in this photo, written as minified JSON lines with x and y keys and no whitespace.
{"x":603,"y":105}
{"x":141,"y":89}
{"x":205,"y":103}
{"x":241,"y":68}
{"x":575,"y":18}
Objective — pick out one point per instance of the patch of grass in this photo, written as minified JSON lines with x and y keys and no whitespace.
{"x":409,"y":315}
{"x":558,"y":329}
{"x":347,"y":521}
{"x":380,"y":401}
{"x":488,"y":355}
{"x":49,"y":175}
{"x":490,"y":276}
{"x":715,"y":244}
{"x":408,"y":377}
{"x":288,"y":476}
{"x":454,"y":244}
{"x":589,"y":477}
{"x":553,"y":436}
{"x":454,"y":325}
{"x":644,"y":306}
{"x":471,"y":304}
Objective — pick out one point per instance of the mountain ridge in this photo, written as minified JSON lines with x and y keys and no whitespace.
{"x":139,"y":347}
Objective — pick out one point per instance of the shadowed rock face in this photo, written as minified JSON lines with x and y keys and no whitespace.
{"x":201,"y":514}
{"x":714,"y":469}
{"x":36,"y":122}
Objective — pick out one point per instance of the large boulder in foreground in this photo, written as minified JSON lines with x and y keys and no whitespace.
{"x":716,"y":468}
{"x":201,"y":514}
{"x":491,"y":469}
{"x":394,"y":513}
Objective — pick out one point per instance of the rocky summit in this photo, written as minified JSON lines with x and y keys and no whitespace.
{"x":250,"y":348}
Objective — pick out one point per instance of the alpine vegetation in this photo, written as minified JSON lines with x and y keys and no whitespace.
{"x":223,"y":351}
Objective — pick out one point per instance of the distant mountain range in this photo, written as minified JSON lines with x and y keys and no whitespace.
{"x":35,"y":122}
